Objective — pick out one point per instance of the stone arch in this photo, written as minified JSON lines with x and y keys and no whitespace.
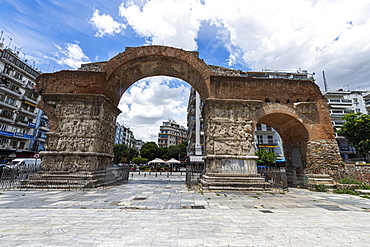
{"x":136,"y":63}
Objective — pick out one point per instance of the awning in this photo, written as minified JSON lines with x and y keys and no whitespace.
{"x":196,"y":159}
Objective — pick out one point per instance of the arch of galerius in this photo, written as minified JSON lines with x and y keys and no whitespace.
{"x":82,"y":109}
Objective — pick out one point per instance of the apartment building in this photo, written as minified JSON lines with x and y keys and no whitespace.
{"x":340,"y":103}
{"x":18,"y":100}
{"x":171,"y":133}
{"x":268,"y":138}
{"x":124,"y":135}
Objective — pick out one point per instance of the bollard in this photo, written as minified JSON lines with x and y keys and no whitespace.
{"x":168,"y":174}
{"x":139,"y":172}
{"x":132,"y":174}
{"x":144,"y":174}
{"x":155,"y":174}
{"x":160,"y":173}
{"x":150,"y":172}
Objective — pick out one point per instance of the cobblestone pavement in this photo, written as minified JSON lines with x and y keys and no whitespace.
{"x":160,"y":211}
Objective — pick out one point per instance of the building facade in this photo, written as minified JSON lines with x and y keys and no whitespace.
{"x":124,"y":135}
{"x":340,"y":103}
{"x":18,"y":101}
{"x":171,"y":133}
{"x":268,"y":138}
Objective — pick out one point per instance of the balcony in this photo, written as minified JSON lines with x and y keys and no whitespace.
{"x":338,"y":123}
{"x":33,"y":115}
{"x":14,"y":80}
{"x":268,"y":144}
{"x":31,"y":100}
{"x":6,"y":105}
{"x":339,"y":113}
{"x":14,"y":93}
{"x":340,"y":101}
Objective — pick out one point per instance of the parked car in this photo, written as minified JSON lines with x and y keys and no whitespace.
{"x":25,"y":164}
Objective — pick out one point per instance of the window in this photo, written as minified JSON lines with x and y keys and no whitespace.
{"x":21,"y":145}
{"x":13,"y":144}
{"x":18,"y":76}
{"x":10,"y":101}
{"x":260,"y":139}
{"x":8,"y":69}
{"x":268,"y":128}
{"x":259,"y":127}
{"x":270,"y":139}
{"x":6,"y":114}
{"x":3,"y":127}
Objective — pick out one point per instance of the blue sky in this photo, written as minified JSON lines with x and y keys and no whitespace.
{"x":318,"y":35}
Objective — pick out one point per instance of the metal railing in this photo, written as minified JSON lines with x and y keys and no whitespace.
{"x":275,"y":176}
{"x":30,"y":177}
{"x":12,"y":177}
{"x":193,"y":174}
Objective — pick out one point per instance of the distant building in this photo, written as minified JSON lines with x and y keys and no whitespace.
{"x":171,"y":133}
{"x":268,"y":138}
{"x":18,"y":100}
{"x":195,"y":132}
{"x":340,"y":103}
{"x":124,"y":135}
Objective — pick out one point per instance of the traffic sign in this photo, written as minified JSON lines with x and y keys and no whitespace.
{"x":36,"y":156}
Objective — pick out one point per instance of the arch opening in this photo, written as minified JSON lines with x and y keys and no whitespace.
{"x":134,"y":64}
{"x":294,"y":137}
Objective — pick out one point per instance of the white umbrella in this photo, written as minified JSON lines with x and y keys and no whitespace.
{"x":157,"y":160}
{"x":173,"y":161}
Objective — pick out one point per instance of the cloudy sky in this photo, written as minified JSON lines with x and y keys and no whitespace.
{"x":318,"y":35}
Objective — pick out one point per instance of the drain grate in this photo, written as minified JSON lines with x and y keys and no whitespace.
{"x":197,"y":207}
{"x":266,"y":211}
{"x":332,"y":207}
{"x":140,"y":198}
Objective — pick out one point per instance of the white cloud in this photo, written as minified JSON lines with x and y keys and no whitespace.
{"x":105,"y":24}
{"x":272,"y":34}
{"x":164,"y":22}
{"x":150,"y":101}
{"x":71,"y":56}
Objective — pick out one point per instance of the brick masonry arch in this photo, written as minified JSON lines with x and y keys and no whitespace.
{"x":82,"y":110}
{"x":140,"y":62}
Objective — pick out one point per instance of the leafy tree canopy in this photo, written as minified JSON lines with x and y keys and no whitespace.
{"x":122,"y":153}
{"x":139,"y":160}
{"x":265,"y":157}
{"x":149,"y":150}
{"x":356,"y":129}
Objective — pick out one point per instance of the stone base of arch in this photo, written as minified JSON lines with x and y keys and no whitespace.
{"x":230,"y":163}
{"x":316,"y":157}
{"x":80,"y":139}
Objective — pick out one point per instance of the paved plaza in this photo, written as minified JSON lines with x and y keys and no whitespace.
{"x":161,"y":211}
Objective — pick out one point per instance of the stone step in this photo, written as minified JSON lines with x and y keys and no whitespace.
{"x":230,"y":188}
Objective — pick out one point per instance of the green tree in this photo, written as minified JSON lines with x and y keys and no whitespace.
{"x":149,"y":150}
{"x":356,"y":129}
{"x":122,"y":153}
{"x":139,"y":160}
{"x":265,"y":157}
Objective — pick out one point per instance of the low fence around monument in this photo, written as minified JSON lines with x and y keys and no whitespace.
{"x":31,"y":177}
{"x":193,"y":174}
{"x":10,"y":177}
{"x":275,"y":176}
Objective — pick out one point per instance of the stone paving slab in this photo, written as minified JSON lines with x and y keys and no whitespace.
{"x":160,"y":211}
